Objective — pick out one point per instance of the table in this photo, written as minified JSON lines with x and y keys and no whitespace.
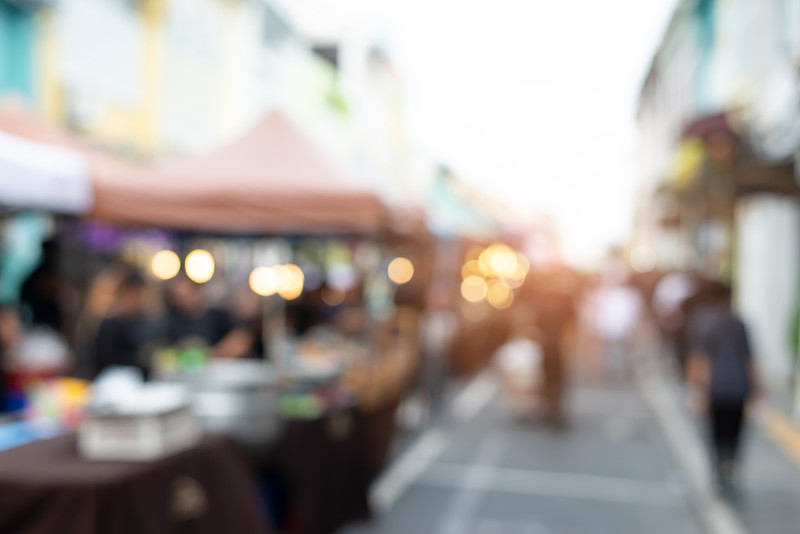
{"x":327,"y":465}
{"x":46,"y":488}
{"x":322,"y":463}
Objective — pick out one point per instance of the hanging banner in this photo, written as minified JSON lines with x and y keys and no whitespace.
{"x":38,"y":176}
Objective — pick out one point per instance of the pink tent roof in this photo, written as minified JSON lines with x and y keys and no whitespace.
{"x":272,"y":179}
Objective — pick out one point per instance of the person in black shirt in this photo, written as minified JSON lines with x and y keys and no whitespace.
{"x":41,"y":292}
{"x":723,"y":379}
{"x":122,"y":336}
{"x":190,"y":320}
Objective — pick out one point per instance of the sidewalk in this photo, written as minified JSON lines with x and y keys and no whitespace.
{"x":770,"y":479}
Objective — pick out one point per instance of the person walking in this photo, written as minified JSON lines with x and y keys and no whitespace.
{"x":554,"y":310}
{"x":722,"y":380}
{"x":619,"y":315}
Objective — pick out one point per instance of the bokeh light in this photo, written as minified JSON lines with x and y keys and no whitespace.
{"x":401,"y":270}
{"x":473,"y":252}
{"x":471,"y":267}
{"x":499,"y":295}
{"x":643,"y":259}
{"x":165,"y":265}
{"x":332,"y":297}
{"x":264,"y":281}
{"x":485,"y":262}
{"x":502,"y":260}
{"x":199,"y":266}
{"x":473,"y":288}
{"x":290,"y":280}
{"x":517,"y":278}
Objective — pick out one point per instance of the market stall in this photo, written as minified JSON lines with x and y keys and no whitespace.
{"x":255,"y":207}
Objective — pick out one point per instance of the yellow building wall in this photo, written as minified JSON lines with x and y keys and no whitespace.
{"x":130,"y":128}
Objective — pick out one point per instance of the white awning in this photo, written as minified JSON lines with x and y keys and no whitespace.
{"x":39,"y":176}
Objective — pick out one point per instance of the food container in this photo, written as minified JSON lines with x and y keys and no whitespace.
{"x":155,"y":422}
{"x":315,"y":371}
{"x":238,"y":398}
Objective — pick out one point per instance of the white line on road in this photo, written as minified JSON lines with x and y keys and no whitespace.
{"x":550,"y":484}
{"x":402,"y":474}
{"x":474,"y":397}
{"x":419,"y":457}
{"x":476,"y":477}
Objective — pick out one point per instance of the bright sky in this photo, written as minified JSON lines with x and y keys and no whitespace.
{"x":533,"y":100}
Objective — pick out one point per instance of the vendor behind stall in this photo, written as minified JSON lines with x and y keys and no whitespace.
{"x":41,"y":293}
{"x":191,"y":320}
{"x":123,"y":336}
{"x":247,"y":316}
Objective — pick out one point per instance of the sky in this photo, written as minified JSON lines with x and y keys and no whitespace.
{"x":532,"y":100}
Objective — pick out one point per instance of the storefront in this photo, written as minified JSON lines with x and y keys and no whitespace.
{"x":740,"y":214}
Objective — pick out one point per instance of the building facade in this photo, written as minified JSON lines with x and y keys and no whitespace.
{"x":719,"y":122}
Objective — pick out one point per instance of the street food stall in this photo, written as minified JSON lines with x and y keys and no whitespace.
{"x":266,"y":205}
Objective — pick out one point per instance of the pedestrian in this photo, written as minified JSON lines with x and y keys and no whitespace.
{"x":520,"y":365}
{"x":124,"y":333}
{"x":619,"y":312}
{"x":439,"y":328}
{"x":555,"y":319}
{"x":722,"y":380}
{"x":669,"y":294}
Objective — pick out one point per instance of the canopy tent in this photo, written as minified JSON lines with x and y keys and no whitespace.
{"x":40,"y":176}
{"x":272,"y":179}
{"x":17,"y":121}
{"x":43,"y":167}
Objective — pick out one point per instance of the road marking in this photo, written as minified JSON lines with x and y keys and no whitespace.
{"x":418,"y":458}
{"x":460,"y":513}
{"x":402,"y":473}
{"x":687,"y":449}
{"x":474,"y":397}
{"x":551,"y":484}
{"x":782,"y":431}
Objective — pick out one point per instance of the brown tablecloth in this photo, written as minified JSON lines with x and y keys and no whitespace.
{"x":46,"y":488}
{"x":329,"y":464}
{"x":321,"y":461}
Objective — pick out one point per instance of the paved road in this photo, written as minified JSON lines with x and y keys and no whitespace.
{"x":485,"y":473}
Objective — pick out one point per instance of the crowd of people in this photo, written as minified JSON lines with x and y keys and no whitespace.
{"x":618,"y":324}
{"x":609,"y":321}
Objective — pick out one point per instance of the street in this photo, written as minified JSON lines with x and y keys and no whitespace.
{"x":484,"y":472}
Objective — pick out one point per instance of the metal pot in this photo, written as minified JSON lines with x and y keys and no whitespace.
{"x":238,"y":398}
